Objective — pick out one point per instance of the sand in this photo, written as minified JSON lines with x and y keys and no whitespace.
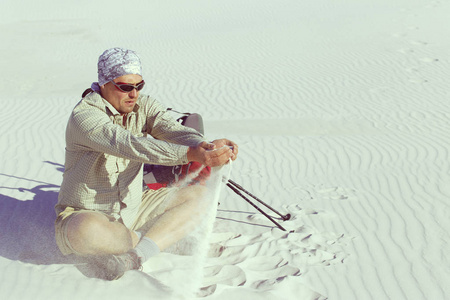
{"x":341,"y":113}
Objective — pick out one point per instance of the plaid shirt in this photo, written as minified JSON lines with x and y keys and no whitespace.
{"x":104,"y":158}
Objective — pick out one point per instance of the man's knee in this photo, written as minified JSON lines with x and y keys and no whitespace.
{"x":95,"y":233}
{"x":192,"y":194}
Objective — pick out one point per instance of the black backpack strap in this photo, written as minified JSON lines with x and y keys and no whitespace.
{"x":178,"y":112}
{"x":87,"y":92}
{"x":181,"y":119}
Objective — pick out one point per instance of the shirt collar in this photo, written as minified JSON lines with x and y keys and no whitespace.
{"x":115,"y":112}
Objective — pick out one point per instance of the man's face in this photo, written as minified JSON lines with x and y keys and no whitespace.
{"x":123,"y":102}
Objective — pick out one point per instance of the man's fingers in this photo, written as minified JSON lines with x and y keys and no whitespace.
{"x":225,"y":142}
{"x":211,"y":155}
{"x":218,"y":157}
{"x":207,"y":146}
{"x":235,"y":151}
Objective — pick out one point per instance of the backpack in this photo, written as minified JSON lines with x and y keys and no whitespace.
{"x":156,"y":177}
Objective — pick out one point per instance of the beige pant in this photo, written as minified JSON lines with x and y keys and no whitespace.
{"x":154,"y":203}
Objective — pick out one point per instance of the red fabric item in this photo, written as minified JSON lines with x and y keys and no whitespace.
{"x":156,"y":185}
{"x":192,"y":168}
{"x":189,"y":168}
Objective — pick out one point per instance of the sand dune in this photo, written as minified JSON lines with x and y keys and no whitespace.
{"x":340,"y":111}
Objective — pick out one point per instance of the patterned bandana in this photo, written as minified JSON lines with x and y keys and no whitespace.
{"x":117,"y":62}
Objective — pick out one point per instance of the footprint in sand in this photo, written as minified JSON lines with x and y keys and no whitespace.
{"x":399,"y":34}
{"x":313,"y":249}
{"x":406,"y":50}
{"x":297,"y":209}
{"x":265,"y":271}
{"x":418,"y":43}
{"x":412,"y":70}
{"x":233,"y":252}
{"x":266,"y":280}
{"x":263,"y":263}
{"x":417,"y":80}
{"x":257,"y":272}
{"x":336,"y":193}
{"x":263,"y":260}
{"x":229,"y":275}
{"x":429,"y":59}
{"x":433,"y":4}
{"x":302,"y":247}
{"x":301,"y":193}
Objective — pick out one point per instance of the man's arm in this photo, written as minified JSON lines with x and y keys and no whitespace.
{"x":92,"y":130}
{"x":162,"y":126}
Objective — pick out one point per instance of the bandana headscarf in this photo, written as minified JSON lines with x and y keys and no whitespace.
{"x":117,"y":62}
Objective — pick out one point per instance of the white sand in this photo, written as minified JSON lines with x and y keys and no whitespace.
{"x":341,"y":112}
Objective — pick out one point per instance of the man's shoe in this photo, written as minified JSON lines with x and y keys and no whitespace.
{"x":113,"y":266}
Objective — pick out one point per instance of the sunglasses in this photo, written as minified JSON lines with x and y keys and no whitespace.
{"x":126,"y":88}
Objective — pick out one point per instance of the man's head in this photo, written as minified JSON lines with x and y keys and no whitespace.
{"x":116,"y":67}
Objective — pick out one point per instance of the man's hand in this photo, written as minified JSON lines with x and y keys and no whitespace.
{"x":224,"y":142}
{"x":213,"y":154}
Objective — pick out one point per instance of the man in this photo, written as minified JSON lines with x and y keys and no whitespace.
{"x":103,"y":214}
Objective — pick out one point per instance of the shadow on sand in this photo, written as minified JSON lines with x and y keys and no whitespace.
{"x":27,"y":227}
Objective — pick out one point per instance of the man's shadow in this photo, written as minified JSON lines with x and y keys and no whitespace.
{"x":27,"y":227}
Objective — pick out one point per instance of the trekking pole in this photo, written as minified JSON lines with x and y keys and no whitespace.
{"x":284,"y":217}
{"x":255,"y":206}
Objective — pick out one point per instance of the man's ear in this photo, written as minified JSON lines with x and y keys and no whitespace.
{"x":102,"y":89}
